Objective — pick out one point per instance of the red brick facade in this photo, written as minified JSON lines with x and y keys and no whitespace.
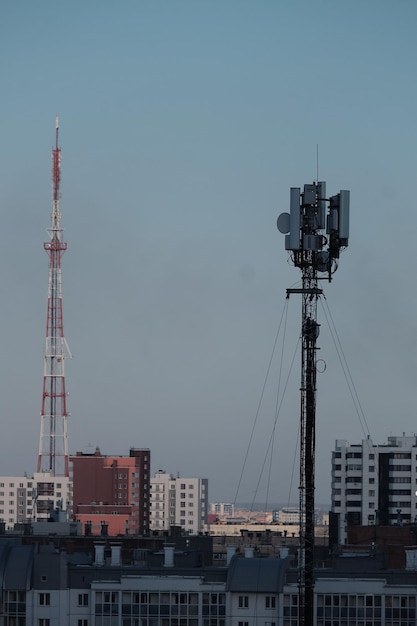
{"x":112,"y":491}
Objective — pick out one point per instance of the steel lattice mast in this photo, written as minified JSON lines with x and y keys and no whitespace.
{"x":314,"y":253}
{"x":53,"y":443}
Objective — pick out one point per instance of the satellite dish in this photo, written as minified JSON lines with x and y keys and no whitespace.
{"x":283,"y":223}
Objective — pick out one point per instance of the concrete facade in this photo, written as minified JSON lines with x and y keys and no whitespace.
{"x":374,"y":484}
{"x":25,"y":499}
{"x":178,"y":502}
{"x":222,"y":510}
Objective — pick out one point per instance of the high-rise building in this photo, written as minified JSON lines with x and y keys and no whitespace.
{"x":111,"y":491}
{"x":32,"y":498}
{"x":374,"y":484}
{"x":178,"y":502}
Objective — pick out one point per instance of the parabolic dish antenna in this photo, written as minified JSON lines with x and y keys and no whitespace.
{"x":283,"y":223}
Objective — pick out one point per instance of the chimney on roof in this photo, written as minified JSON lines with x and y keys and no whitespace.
{"x":230,"y":552}
{"x":169,"y":555}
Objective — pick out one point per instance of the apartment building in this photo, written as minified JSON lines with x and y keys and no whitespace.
{"x":222,"y":509}
{"x":111,"y":491}
{"x":99,"y":583}
{"x":25,"y":499}
{"x":178,"y":502}
{"x":374,"y":484}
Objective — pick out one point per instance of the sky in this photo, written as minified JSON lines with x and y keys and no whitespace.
{"x":183,"y":125}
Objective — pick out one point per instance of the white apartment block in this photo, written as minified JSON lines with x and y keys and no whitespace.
{"x":374,"y":484}
{"x":287,"y":515}
{"x":178,"y":502}
{"x":222,"y":509}
{"x":30,"y":499}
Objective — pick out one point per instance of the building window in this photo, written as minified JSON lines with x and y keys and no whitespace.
{"x":372,"y":481}
{"x":44,"y":578}
{"x":44,"y":599}
{"x":107,"y":603}
{"x":353,"y":503}
{"x":270,"y":602}
{"x":43,"y":621}
{"x":82,"y":622}
{"x":243,"y":602}
{"x":243,"y":623}
{"x":400,"y":605}
{"x":372,"y":468}
{"x":83,"y":599}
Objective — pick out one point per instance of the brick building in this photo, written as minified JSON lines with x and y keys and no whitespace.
{"x":111,"y":492}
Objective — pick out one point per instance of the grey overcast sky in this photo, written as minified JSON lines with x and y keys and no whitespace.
{"x":183,"y":124}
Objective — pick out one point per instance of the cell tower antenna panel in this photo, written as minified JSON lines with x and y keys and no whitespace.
{"x":315,"y":251}
{"x":53,"y":441}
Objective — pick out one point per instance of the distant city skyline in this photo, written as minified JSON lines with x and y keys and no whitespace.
{"x":183,"y":126}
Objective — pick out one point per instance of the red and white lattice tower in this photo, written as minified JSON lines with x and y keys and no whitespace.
{"x":53,"y":442}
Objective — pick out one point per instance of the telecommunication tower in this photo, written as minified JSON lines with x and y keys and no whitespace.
{"x":53,"y":442}
{"x":316,"y":230}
